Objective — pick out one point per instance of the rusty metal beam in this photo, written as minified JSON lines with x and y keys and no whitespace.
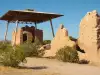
{"x":52,"y":28}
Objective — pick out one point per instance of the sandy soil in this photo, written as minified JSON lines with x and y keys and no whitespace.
{"x":42,"y":66}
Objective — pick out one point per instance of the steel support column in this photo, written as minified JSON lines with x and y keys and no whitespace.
{"x":35,"y":25}
{"x":52,"y":28}
{"x":5,"y":37}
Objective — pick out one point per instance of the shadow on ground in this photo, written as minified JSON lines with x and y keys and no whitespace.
{"x":35,"y":68}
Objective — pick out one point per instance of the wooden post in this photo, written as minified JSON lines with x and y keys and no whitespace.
{"x":5,"y":37}
{"x":52,"y":28}
{"x":16,"y":32}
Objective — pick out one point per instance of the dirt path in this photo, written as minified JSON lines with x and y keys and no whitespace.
{"x":42,"y":66}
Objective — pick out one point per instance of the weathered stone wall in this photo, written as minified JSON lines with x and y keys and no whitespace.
{"x":39,"y":34}
{"x":29,"y":29}
{"x":18,"y":37}
{"x":89,"y":35}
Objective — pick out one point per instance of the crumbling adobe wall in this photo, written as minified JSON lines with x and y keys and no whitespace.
{"x":60,"y":40}
{"x":18,"y":37}
{"x":39,"y":34}
{"x":31,"y":34}
{"x":89,"y":35}
{"x":30,"y":30}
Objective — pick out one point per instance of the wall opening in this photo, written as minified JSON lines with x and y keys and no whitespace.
{"x":24,"y":37}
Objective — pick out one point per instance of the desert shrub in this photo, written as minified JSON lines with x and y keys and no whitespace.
{"x":67,"y":54}
{"x":11,"y":56}
{"x":32,"y":49}
{"x":46,"y":42}
{"x":7,"y":41}
{"x":41,"y":53}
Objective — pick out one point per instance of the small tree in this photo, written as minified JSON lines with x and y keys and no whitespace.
{"x":67,"y":54}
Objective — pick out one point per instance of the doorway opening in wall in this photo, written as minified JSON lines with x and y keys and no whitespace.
{"x":24,"y":37}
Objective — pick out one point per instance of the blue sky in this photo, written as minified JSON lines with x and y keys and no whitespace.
{"x":73,"y":11}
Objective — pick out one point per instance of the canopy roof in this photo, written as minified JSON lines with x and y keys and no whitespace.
{"x":28,"y":16}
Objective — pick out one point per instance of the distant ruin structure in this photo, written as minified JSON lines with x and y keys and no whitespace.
{"x":27,"y":34}
{"x":89,"y":36}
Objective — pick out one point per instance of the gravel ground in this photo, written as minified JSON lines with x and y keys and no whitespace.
{"x":42,"y":66}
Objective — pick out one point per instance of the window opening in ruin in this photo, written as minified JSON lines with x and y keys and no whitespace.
{"x":24,"y":37}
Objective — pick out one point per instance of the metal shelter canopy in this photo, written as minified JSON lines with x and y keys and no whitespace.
{"x":28,"y":16}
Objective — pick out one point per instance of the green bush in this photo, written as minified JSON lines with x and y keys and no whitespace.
{"x":7,"y":41}
{"x":32,"y":49}
{"x":11,"y":56}
{"x":67,"y":54}
{"x":46,"y":42}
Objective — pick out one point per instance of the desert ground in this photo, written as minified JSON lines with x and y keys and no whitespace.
{"x":43,"y":66}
